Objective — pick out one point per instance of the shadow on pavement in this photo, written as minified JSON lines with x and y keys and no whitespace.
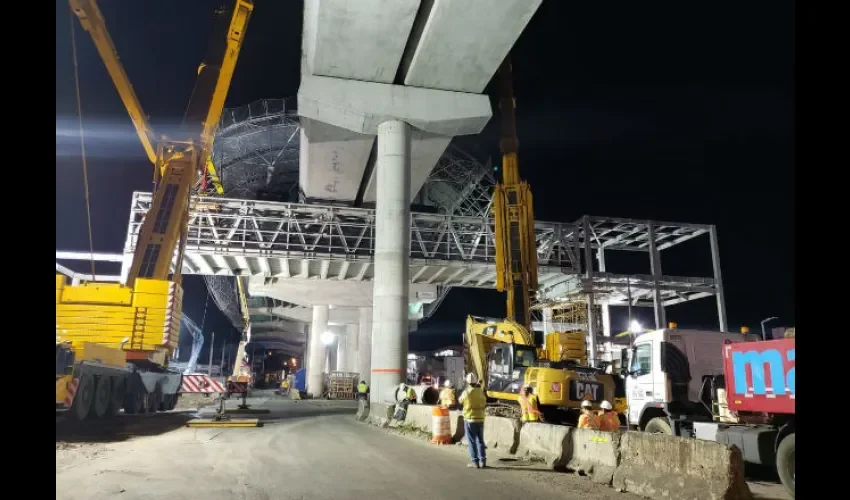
{"x":119,"y":428}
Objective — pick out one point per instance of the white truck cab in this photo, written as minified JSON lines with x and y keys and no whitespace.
{"x":665,"y":372}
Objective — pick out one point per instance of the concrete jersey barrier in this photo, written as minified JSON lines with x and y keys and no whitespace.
{"x":658,"y":465}
{"x":551,"y":443}
{"x":595,"y":454}
{"x":501,"y":434}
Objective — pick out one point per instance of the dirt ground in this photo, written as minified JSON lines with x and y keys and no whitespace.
{"x":305,"y":450}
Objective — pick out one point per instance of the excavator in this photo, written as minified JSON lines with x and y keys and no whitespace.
{"x":113,"y":341}
{"x":502,"y":352}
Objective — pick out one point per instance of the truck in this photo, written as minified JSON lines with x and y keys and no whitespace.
{"x":724,"y":387}
{"x":114,"y":340}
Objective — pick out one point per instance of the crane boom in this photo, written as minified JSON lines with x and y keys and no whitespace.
{"x":516,"y":247}
{"x":164,"y":227}
{"x":92,"y":21}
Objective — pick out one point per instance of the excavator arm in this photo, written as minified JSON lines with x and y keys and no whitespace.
{"x":93,"y":23}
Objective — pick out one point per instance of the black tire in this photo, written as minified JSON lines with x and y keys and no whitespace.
{"x":102,"y":396}
{"x":133,"y":401}
{"x":785,"y":463}
{"x":117,"y":395}
{"x":658,"y":425}
{"x":81,"y":407}
{"x":154,"y":400}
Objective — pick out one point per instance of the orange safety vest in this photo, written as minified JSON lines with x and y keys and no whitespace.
{"x":528,"y":405}
{"x":589,"y":421}
{"x":609,"y":422}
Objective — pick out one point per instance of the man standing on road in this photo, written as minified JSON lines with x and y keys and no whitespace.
{"x":608,"y":419}
{"x":474,"y":401}
{"x":528,"y":405}
{"x":284,"y":387}
{"x":588,"y":419}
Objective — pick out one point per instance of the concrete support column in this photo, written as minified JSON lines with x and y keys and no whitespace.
{"x":392,"y":256}
{"x":341,"y":353}
{"x":364,"y":345}
{"x":316,"y":360}
{"x":350,"y":348}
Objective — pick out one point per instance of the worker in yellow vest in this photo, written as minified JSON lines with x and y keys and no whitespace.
{"x":588,"y":419}
{"x":410,"y":395}
{"x":474,"y":401}
{"x":528,"y":403}
{"x":284,"y":387}
{"x":363,"y":390}
{"x":608,"y":419}
{"x":447,"y":395}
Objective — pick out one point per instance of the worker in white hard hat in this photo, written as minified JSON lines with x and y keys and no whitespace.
{"x":528,"y":404}
{"x":474,"y":401}
{"x":608,"y":419}
{"x":447,"y":395}
{"x":588,"y":419}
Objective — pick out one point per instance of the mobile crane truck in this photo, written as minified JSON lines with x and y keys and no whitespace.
{"x":729,"y":388}
{"x":113,"y":341}
{"x":502,"y":352}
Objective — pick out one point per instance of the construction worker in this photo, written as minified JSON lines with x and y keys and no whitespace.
{"x":447,"y":395}
{"x":363,"y":390}
{"x":284,"y":387}
{"x":474,"y":401}
{"x":411,"y":395}
{"x":608,"y":419}
{"x":529,"y":406}
{"x":588,"y":419}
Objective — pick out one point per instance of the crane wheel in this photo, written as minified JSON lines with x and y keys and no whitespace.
{"x":154,"y":400}
{"x":133,"y":401}
{"x":117,"y":395}
{"x":102,"y":396}
{"x":81,"y":407}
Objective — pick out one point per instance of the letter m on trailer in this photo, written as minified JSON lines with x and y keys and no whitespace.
{"x":760,"y":376}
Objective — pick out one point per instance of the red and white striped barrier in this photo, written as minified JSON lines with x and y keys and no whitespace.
{"x":71,"y":391}
{"x":201,"y":384}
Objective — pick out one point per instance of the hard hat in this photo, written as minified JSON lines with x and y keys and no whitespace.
{"x":471,"y":378}
{"x":586,"y":404}
{"x":448,"y":383}
{"x":606,"y":405}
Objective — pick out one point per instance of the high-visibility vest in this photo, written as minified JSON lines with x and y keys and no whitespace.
{"x":589,"y":421}
{"x":284,"y":384}
{"x":411,"y":394}
{"x":531,"y":413}
{"x":447,"y":396}
{"x":362,"y":388}
{"x":609,"y":421}
{"x":474,"y":402}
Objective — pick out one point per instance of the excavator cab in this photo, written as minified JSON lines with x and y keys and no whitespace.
{"x":507,"y":364}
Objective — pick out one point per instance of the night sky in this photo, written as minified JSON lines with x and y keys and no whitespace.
{"x":671,"y":111}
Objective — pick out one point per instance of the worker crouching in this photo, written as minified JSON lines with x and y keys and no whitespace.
{"x":608,"y":419}
{"x":474,"y":401}
{"x":363,"y":391}
{"x":447,"y":395}
{"x":589,"y":419}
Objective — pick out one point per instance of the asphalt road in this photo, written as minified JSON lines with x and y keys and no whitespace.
{"x":305,"y":450}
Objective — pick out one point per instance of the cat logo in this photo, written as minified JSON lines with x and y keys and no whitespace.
{"x":587,"y":391}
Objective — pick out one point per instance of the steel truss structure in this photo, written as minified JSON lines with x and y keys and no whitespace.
{"x":273,"y":239}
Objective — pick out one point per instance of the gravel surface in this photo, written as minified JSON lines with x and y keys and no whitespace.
{"x":306,"y":449}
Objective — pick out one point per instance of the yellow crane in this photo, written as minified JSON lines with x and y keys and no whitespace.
{"x":113,"y":340}
{"x":502,"y":352}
